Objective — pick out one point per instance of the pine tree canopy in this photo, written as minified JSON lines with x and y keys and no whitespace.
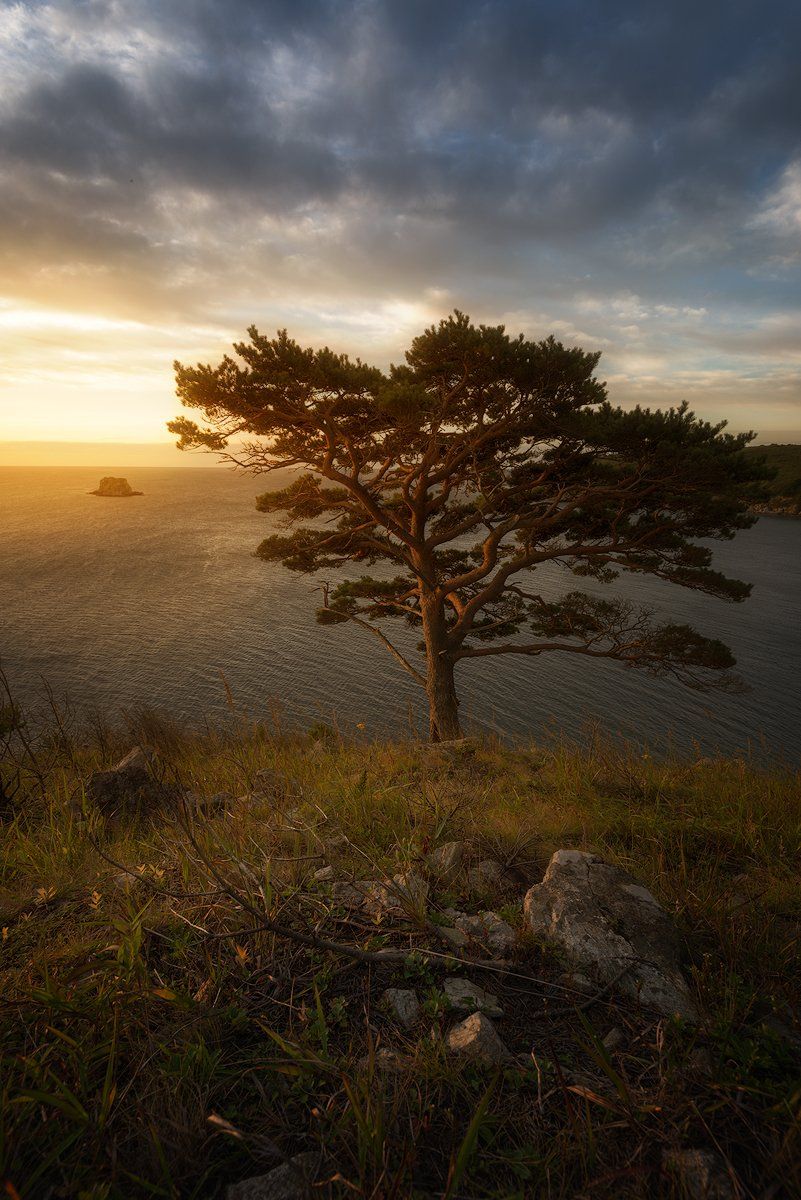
{"x":459,"y":473}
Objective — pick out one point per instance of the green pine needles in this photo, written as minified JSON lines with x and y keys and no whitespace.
{"x":459,"y":474}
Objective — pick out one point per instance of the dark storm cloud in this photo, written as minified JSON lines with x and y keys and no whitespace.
{"x":491,"y":149}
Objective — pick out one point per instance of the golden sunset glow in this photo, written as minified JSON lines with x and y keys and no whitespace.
{"x":161,"y":193}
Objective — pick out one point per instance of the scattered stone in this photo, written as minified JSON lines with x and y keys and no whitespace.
{"x":324,"y":874}
{"x":456,"y":938}
{"x":402,"y":895}
{"x":603,"y":919}
{"x":403,"y":1004}
{"x":487,"y":929}
{"x":291,"y":1181}
{"x":614,"y":1039}
{"x":477,"y":1038}
{"x":701,"y":1174}
{"x":396,"y":897}
{"x":465,"y":996}
{"x":127,"y":787}
{"x":446,"y":859}
{"x":494,"y":932}
{"x":487,"y":875}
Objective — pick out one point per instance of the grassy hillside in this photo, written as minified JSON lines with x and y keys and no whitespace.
{"x":154,"y":1045}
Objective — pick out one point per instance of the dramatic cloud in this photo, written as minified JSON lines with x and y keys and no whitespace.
{"x":627,"y":175}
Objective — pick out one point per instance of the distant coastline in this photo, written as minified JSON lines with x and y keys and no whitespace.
{"x":784,"y":491}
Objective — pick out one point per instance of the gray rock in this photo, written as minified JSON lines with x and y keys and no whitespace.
{"x":602,"y":919}
{"x":575,"y":981}
{"x":494,"y":932}
{"x":456,"y":938}
{"x":403,"y":895}
{"x":465,"y":996}
{"x":701,"y":1174}
{"x":614,"y":1039}
{"x":446,"y":859}
{"x":403,"y":1004}
{"x":487,"y":929}
{"x":487,"y":875}
{"x":477,"y":1039}
{"x":291,"y":1181}
{"x":127,"y":787}
{"x":324,"y":874}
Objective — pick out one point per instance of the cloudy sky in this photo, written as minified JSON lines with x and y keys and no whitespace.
{"x":626,"y":174}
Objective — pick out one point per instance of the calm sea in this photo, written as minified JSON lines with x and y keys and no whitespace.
{"x":151,"y":600}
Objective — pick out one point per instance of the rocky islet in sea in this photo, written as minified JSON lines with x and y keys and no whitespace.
{"x":112,"y":485}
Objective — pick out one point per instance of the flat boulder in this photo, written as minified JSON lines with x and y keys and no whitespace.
{"x":604,"y":921}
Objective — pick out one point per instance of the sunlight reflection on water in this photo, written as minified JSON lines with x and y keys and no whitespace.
{"x":146,"y":600}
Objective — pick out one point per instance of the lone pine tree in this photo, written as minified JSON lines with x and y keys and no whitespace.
{"x":462,"y":472}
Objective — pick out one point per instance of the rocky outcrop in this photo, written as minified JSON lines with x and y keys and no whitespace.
{"x":112,"y":485}
{"x":605,"y":923}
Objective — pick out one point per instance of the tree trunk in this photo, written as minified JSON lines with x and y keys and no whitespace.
{"x":443,"y":707}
